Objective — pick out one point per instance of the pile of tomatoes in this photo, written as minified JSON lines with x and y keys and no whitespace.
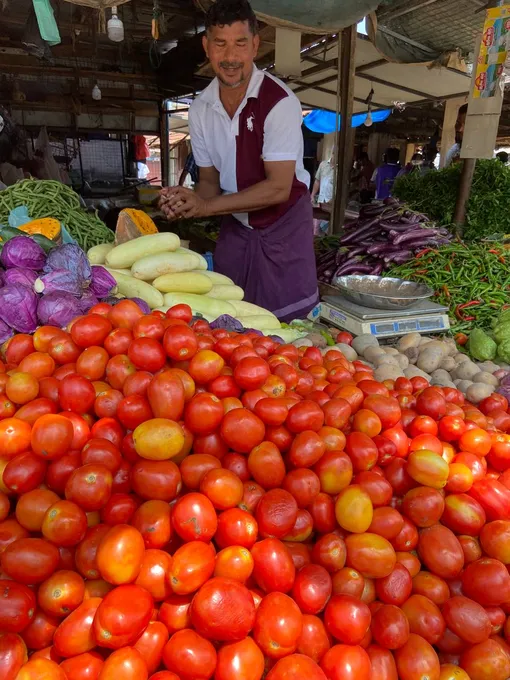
{"x":182,"y":503}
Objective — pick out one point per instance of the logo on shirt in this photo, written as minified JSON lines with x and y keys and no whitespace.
{"x":249,"y":123}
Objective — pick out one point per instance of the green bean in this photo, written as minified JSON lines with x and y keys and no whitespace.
{"x":460,"y":273}
{"x":49,"y":198}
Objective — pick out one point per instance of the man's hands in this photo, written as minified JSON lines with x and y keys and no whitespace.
{"x":179,"y":202}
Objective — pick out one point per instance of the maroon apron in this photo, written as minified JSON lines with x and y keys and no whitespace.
{"x":275,"y":265}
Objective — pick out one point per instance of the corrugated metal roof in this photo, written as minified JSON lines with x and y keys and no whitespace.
{"x":441,"y":25}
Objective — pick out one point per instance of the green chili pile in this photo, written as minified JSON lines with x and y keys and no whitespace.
{"x":48,"y":198}
{"x":435,"y":194}
{"x":472,"y":280}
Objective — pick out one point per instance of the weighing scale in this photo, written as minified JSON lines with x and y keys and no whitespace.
{"x":423,"y":317}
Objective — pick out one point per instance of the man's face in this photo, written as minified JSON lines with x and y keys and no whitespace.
{"x":231,"y":51}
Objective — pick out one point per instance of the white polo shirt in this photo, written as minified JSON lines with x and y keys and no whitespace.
{"x":266,"y":127}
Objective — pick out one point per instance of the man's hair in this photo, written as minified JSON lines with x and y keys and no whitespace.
{"x":392,"y":155}
{"x":228,"y":12}
{"x":463,"y":110}
{"x":364,"y":156}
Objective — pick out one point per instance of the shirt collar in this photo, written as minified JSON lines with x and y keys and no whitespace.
{"x":211,"y":94}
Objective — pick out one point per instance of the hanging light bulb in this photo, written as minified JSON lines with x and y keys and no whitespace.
{"x":368,"y":121}
{"x":115,"y":27}
{"x":96,"y":93}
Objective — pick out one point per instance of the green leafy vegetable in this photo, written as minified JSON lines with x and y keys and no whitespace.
{"x":435,"y":194}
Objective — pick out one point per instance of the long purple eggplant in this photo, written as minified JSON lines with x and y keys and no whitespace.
{"x":354,"y":268}
{"x":360,"y":231}
{"x":400,"y":257}
{"x":410,"y":235}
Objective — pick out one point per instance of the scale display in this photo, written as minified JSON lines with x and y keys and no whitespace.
{"x":425,"y":317}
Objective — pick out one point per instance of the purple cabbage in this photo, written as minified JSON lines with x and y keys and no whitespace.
{"x":504,"y":390}
{"x":228,"y":322}
{"x":26,"y":277}
{"x":102,"y":282}
{"x":72,"y":258}
{"x":6,"y":332}
{"x":18,"y":307}
{"x":21,"y":251}
{"x":58,"y":309}
{"x":142,"y":304}
{"x":59,"y":281}
{"x":87,"y":301}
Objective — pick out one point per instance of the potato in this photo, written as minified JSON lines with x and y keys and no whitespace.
{"x":412,"y":353}
{"x":385,"y":360}
{"x":408,"y":341}
{"x":392,"y":351}
{"x":318,"y":340}
{"x":486,"y":378}
{"x":362,"y":342}
{"x":349,"y":352}
{"x":415,"y":372}
{"x":372,"y":352}
{"x":461,"y":358}
{"x":302,"y":342}
{"x":442,"y":378}
{"x":462,"y":385}
{"x":448,"y":364}
{"x":477,"y":392}
{"x":465,"y":371}
{"x":430,"y":359}
{"x":402,"y":361}
{"x":488,"y":366}
{"x":388,"y":372}
{"x":437,"y":345}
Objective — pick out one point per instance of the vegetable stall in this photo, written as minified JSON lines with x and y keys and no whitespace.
{"x":191,"y":490}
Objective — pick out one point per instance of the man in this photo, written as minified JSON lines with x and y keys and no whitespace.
{"x":363,"y":177}
{"x":246,"y":137}
{"x":323,"y":185}
{"x":453,"y":155}
{"x":384,"y":176}
{"x":190,"y":168}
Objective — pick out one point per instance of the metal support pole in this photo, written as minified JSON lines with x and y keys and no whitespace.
{"x":466,"y":180}
{"x":346,"y":72}
{"x":165,"y":145}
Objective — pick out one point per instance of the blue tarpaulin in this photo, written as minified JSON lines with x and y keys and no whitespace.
{"x":325,"y":121}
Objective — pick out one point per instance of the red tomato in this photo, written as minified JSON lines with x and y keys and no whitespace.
{"x":190,"y":655}
{"x":312,"y":588}
{"x":390,"y":627}
{"x":417,"y":659}
{"x":242,"y":659}
{"x":126,"y":663}
{"x":278,"y":625}
{"x":467,"y":619}
{"x":120,"y":554}
{"x":122,"y":616}
{"x":90,"y":330}
{"x":242,"y":430}
{"x":425,"y":618}
{"x":223,"y":610}
{"x":18,"y":606}
{"x":83,"y":667}
{"x":273,"y":569}
{"x":441,"y":552}
{"x":346,"y":662}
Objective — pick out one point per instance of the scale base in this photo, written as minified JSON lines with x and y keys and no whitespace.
{"x":424,"y":317}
